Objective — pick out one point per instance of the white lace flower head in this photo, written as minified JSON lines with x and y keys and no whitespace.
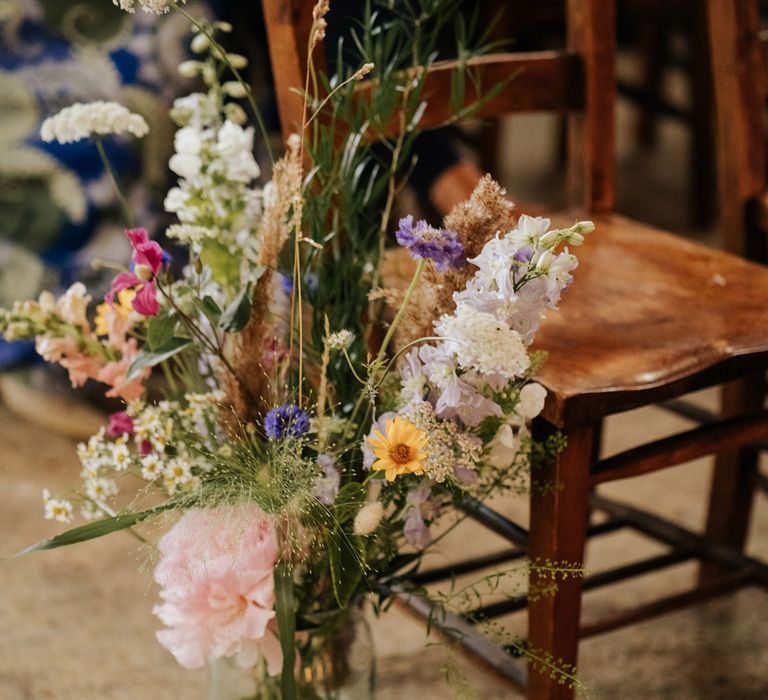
{"x":81,"y":120}
{"x":158,"y":7}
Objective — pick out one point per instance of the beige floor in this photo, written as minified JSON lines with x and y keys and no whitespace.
{"x":75,"y":624}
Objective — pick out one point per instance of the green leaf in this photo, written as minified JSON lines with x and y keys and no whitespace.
{"x":150,"y":359}
{"x":347,"y":558}
{"x":349,"y":500}
{"x":285,"y":609}
{"x":160,"y":331}
{"x":92,"y":530}
{"x":238,"y":313}
{"x":210,"y":309}
{"x":225,"y":266}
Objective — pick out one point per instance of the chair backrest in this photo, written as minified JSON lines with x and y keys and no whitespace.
{"x":739,"y":59}
{"x":578,"y":81}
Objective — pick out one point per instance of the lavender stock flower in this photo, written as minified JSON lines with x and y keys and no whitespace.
{"x":424,"y":241}
{"x":284,"y":421}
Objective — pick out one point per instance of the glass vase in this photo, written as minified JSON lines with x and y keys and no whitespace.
{"x":337,"y":664}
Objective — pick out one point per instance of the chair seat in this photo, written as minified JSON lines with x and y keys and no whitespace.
{"x":650,"y":316}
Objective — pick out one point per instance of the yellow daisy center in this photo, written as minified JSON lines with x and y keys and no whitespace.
{"x":400,"y":453}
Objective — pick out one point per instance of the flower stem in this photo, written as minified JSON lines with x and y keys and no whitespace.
{"x":398,"y":317}
{"x":113,"y":175}
{"x":238,"y":76}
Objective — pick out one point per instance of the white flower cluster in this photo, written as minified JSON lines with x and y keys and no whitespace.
{"x":81,"y":120}
{"x":158,"y":7}
{"x":484,"y":346}
{"x":214,"y":198}
{"x":453,"y":453}
{"x":164,"y":453}
{"x":340,"y":340}
{"x":521,"y":275}
{"x":57,"y":508}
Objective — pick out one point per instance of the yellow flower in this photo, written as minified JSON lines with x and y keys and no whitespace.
{"x":122,"y":309}
{"x":400,"y":450}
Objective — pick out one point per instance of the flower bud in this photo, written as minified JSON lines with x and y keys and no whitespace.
{"x":368,"y":518}
{"x":237,"y":60}
{"x":189,"y":69}
{"x":200,"y":43}
{"x":585,"y":226}
{"x":222,"y":26}
{"x":545,"y":261}
{"x":575,"y":238}
{"x":234,"y":89}
{"x":549,"y":238}
{"x":235,"y":113}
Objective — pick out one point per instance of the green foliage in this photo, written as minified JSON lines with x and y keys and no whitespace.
{"x":93,"y":530}
{"x":238,"y":313}
{"x":346,"y":558}
{"x":285,"y":609}
{"x":146,"y":359}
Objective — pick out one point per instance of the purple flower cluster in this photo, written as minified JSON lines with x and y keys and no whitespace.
{"x":439,"y":245}
{"x":284,"y":421}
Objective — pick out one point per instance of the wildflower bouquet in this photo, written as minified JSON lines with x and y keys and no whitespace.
{"x":316,"y":422}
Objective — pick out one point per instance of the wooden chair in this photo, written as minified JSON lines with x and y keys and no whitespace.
{"x":650,"y":318}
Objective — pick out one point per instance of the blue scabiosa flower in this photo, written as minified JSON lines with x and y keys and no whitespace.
{"x":285,"y":421}
{"x":436,"y":244}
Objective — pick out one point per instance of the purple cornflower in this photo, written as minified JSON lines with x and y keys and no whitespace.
{"x":284,"y":421}
{"x":439,"y":245}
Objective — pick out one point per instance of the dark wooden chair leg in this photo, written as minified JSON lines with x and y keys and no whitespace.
{"x":733,"y":479}
{"x":558,"y":532}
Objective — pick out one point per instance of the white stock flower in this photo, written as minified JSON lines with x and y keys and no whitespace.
{"x":82,"y":120}
{"x":186,"y":162}
{"x":188,"y":233}
{"x":368,"y":518}
{"x":235,"y":146}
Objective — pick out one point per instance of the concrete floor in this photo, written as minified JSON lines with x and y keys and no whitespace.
{"x":76,"y":624}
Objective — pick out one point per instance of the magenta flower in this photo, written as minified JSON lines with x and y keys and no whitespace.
{"x":120,"y":423}
{"x":146,"y":262}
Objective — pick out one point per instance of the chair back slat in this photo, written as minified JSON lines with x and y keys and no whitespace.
{"x":532,"y":81}
{"x":578,"y":81}
{"x":737,"y":55}
{"x":288,"y":24}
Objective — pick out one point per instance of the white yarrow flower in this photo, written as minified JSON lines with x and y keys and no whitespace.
{"x":157,"y":7}
{"x":81,"y":120}
{"x":484,"y":343}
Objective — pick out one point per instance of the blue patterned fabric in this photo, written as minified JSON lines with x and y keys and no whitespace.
{"x":57,"y":206}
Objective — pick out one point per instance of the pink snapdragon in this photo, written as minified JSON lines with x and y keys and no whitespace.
{"x":115,"y":374}
{"x":146,"y":262}
{"x":120,"y":423}
{"x":216,"y":575}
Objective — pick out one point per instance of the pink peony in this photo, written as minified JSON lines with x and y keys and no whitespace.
{"x":216,"y":575}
